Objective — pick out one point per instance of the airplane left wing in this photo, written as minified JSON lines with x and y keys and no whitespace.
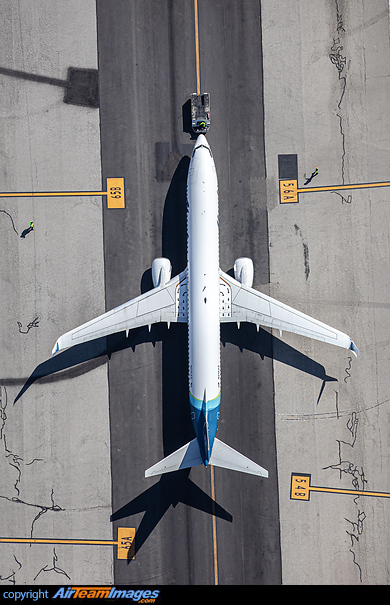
{"x":166,"y":303}
{"x":241,"y":303}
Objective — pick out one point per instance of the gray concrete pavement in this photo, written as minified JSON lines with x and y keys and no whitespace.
{"x":55,"y":442}
{"x":325,"y":97}
{"x":325,"y":74}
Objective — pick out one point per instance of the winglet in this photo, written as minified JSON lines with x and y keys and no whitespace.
{"x":354,"y":348}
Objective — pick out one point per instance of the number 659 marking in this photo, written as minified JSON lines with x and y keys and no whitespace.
{"x":116,"y":193}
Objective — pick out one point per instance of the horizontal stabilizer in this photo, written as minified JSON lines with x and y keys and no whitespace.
{"x":222,"y":455}
{"x":184,"y":457}
{"x":226,"y":457}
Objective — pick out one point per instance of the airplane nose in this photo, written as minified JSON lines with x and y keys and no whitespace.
{"x":201,"y":140}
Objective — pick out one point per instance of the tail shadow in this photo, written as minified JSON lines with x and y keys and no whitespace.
{"x":171,"y":489}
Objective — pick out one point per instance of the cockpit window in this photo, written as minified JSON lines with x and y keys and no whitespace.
{"x":198,"y":147}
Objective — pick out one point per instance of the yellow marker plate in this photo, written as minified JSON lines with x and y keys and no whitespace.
{"x":288,"y":191}
{"x":116,"y":193}
{"x":125,"y":540}
{"x":300,"y":487}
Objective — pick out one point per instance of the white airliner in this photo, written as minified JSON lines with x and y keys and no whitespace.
{"x":204,"y":296}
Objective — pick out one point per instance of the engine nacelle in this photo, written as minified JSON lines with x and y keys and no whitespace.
{"x":161,"y":271}
{"x":243,"y":271}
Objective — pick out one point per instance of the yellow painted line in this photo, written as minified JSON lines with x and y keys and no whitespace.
{"x":56,"y":541}
{"x":115,"y":193}
{"x":289,"y":190}
{"x":197,"y":61}
{"x":215,"y":552}
{"x":125,"y":540}
{"x":340,"y":187}
{"x":52,"y":193}
{"x":301,"y":488}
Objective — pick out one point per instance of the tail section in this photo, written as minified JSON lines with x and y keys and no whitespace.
{"x":222,"y":455}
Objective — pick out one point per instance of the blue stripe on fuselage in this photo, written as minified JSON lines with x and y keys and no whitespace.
{"x":205,"y":414}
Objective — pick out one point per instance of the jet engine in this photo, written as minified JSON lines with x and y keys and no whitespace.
{"x":243,"y":271}
{"x":161,"y":271}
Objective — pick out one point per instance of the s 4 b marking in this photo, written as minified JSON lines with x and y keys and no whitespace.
{"x":300,"y":486}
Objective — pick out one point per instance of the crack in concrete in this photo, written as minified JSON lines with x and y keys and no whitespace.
{"x":357,"y":530}
{"x":346,"y":200}
{"x":43,"y":508}
{"x":358,"y":482}
{"x":33,"y":324}
{"x":56,"y":569}
{"x":12,"y":221}
{"x":340,"y":61}
{"x":355,"y":562}
{"x":12,"y":458}
{"x":12,"y":577}
{"x":348,"y":373}
{"x":17,"y":463}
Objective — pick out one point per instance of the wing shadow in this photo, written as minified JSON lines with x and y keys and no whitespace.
{"x":82,"y":358}
{"x":63,"y":365}
{"x":266,"y":345}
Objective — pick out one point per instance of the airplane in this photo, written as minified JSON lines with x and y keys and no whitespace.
{"x":203,"y":296}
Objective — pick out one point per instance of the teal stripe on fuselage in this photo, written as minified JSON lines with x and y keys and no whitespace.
{"x":205,"y":413}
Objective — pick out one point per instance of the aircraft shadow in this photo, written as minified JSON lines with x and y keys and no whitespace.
{"x":83,"y":358}
{"x":177,"y":429}
{"x":266,"y":345}
{"x":171,"y":489}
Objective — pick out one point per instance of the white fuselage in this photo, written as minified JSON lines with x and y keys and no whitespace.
{"x":203,"y":294}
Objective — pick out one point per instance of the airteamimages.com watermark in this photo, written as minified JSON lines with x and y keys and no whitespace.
{"x":137,"y":595}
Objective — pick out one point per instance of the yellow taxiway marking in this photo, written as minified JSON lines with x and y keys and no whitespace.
{"x":125,"y":539}
{"x":115,"y":193}
{"x":301,"y":488}
{"x":215,"y":552}
{"x":289,"y":190}
{"x":197,"y":62}
{"x":340,"y":187}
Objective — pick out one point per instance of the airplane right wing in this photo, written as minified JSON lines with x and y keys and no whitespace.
{"x":241,"y":303}
{"x":166,"y":303}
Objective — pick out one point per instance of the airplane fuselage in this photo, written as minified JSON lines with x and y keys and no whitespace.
{"x":204,"y":296}
{"x":204,"y":372}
